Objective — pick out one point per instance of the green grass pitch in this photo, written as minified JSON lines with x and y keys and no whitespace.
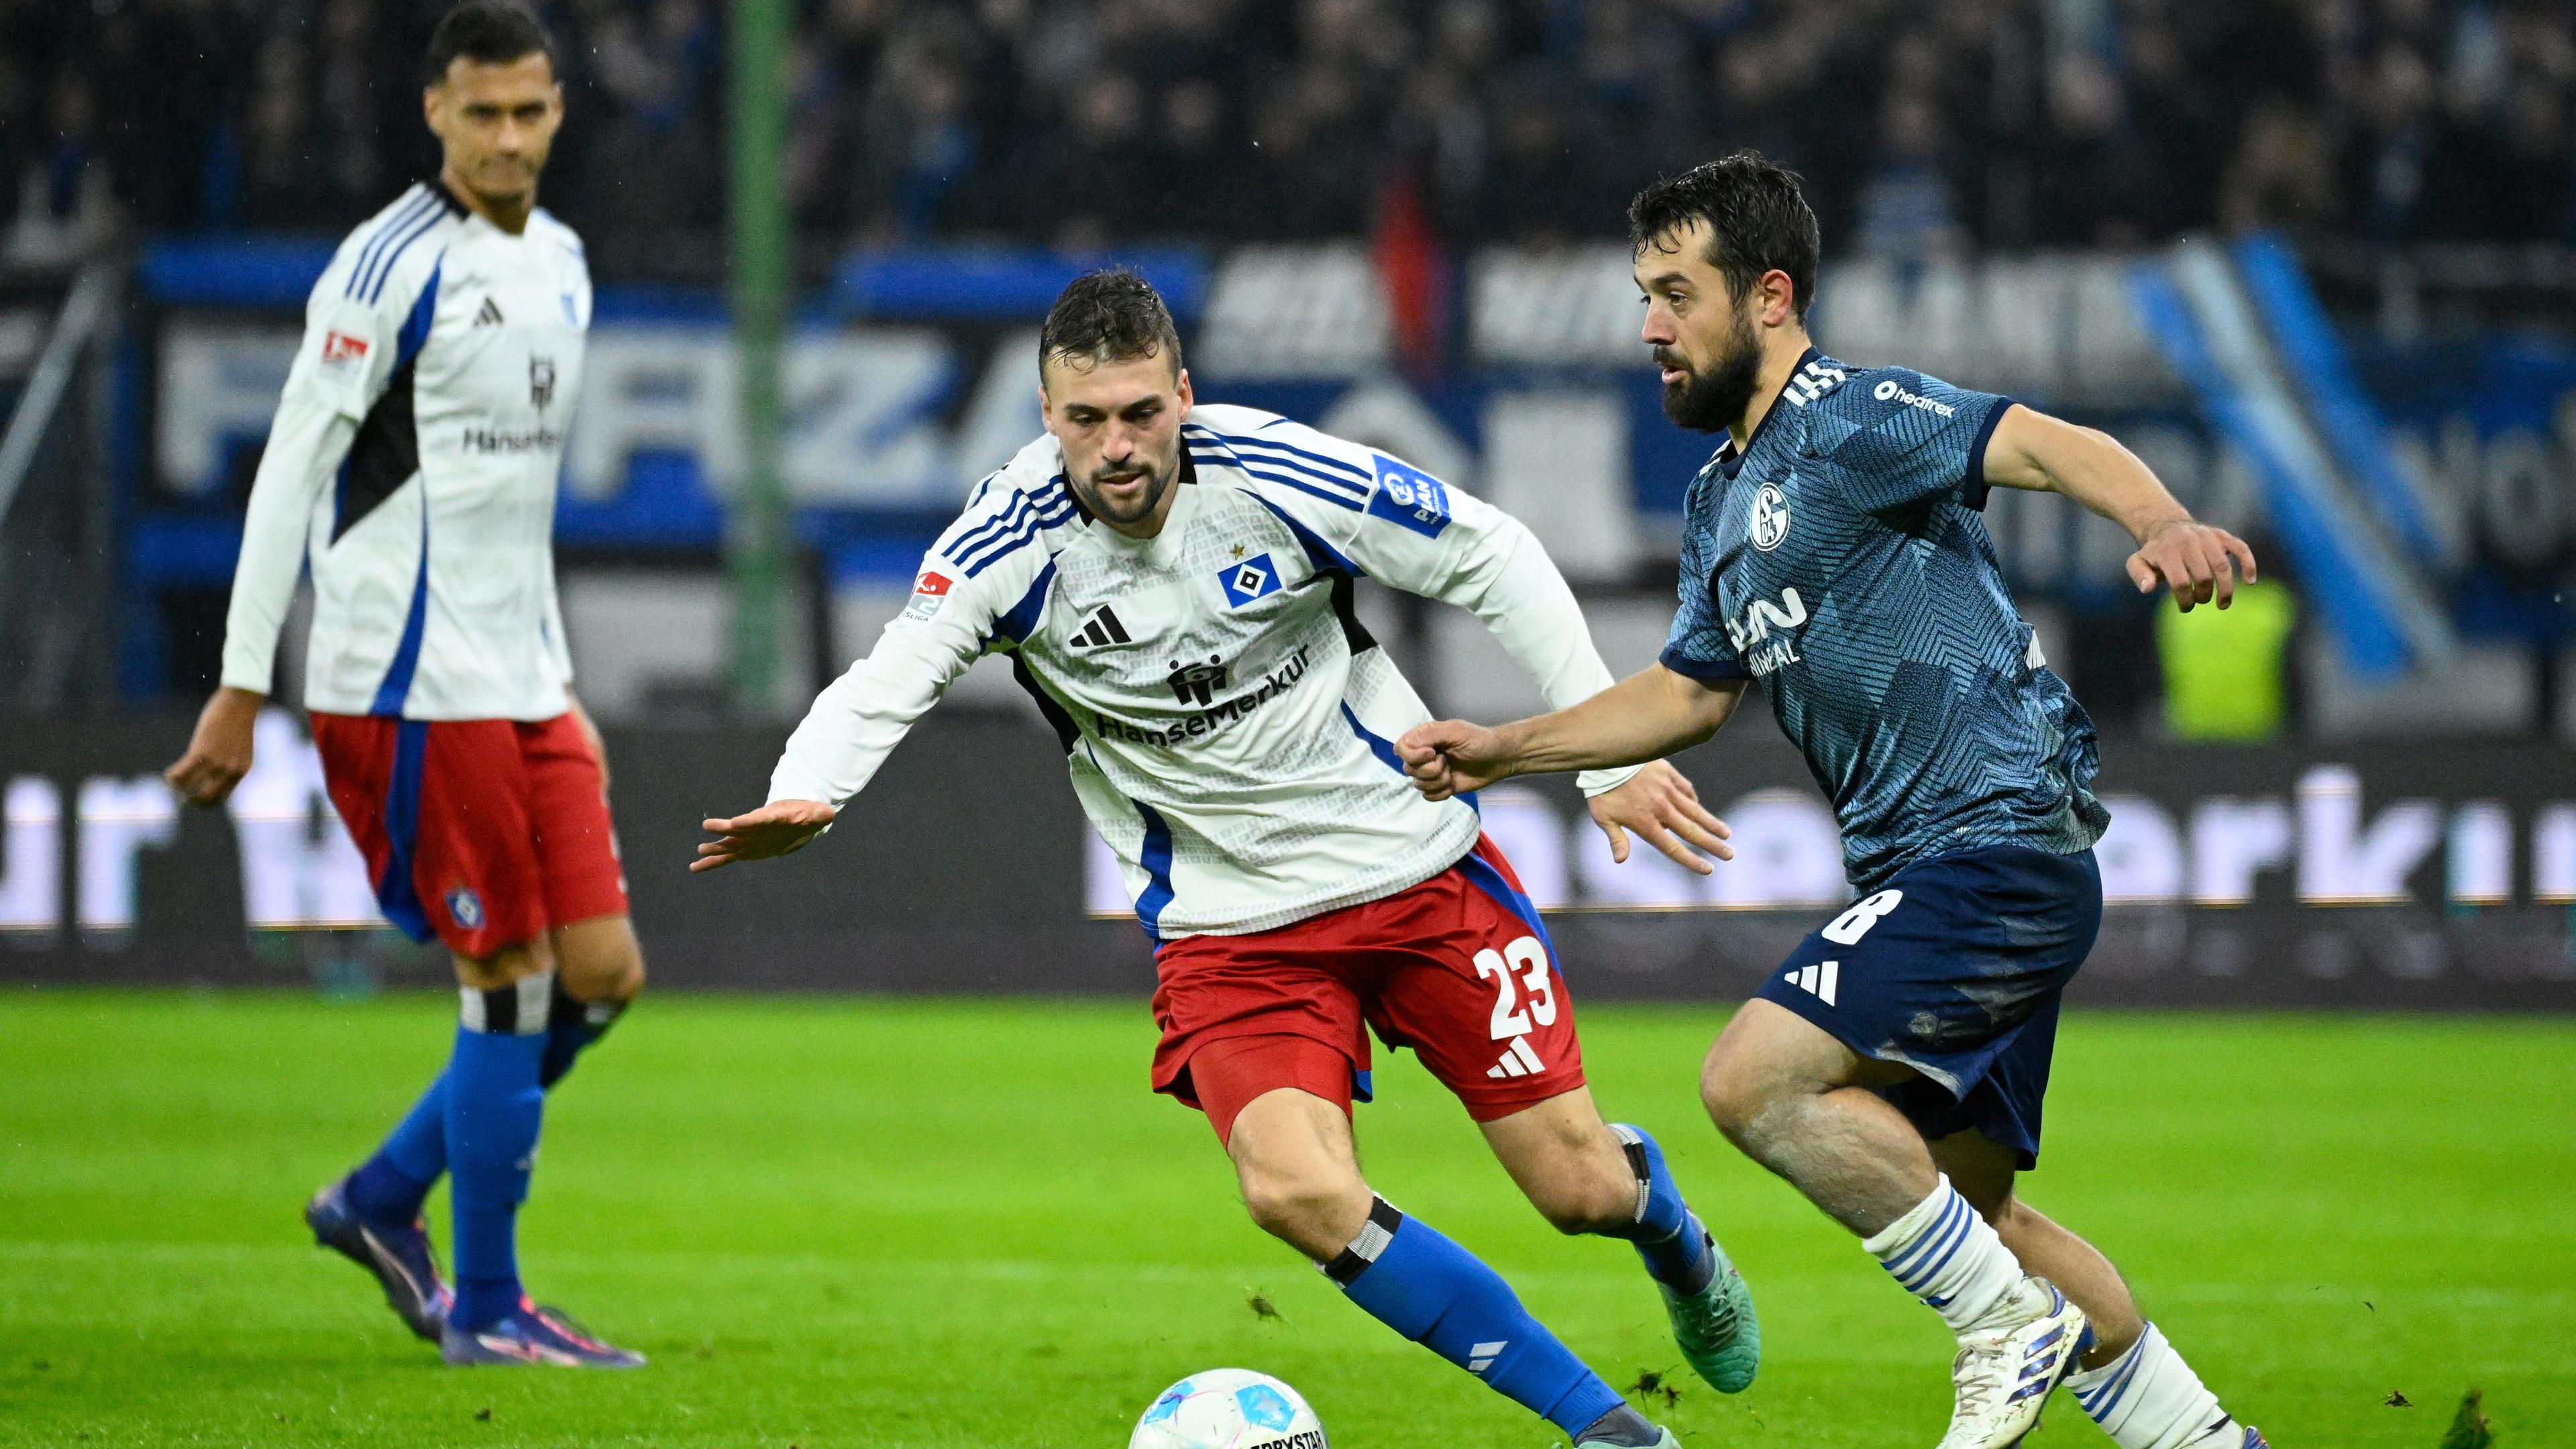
{"x":847,"y":1222}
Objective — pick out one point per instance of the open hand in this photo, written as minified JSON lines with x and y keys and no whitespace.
{"x":1452,"y":757}
{"x":1660,"y":803}
{"x":2198,"y":562}
{"x":781,"y":827}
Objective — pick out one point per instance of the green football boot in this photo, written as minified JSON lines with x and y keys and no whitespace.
{"x":1716,"y":1327}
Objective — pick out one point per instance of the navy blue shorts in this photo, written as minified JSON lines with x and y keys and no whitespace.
{"x":1954,"y":968}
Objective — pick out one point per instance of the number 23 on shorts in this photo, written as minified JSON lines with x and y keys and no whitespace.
{"x":1525,"y":959}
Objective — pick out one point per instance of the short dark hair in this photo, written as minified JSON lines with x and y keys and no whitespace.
{"x":1758,"y":221}
{"x":1111,"y":315}
{"x":493,"y":32}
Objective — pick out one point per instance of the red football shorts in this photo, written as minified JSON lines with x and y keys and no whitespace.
{"x":484,"y":833}
{"x":1457,"y":968}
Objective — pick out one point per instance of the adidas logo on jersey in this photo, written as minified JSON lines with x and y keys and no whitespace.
{"x":1818,"y":980}
{"x":489,"y":315}
{"x":1520,"y":1061}
{"x":1099,"y":630}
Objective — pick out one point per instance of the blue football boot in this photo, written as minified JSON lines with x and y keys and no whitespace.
{"x":398,"y":1255}
{"x":530,"y":1334}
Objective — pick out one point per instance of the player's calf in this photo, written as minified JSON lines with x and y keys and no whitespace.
{"x":599,"y":972}
{"x":1572,"y":1167}
{"x":1611,"y":1180}
{"x":1984,"y":1172}
{"x":494,"y":1110}
{"x":1415,"y":1280}
{"x":1301,"y":1182}
{"x":2148,"y":1398}
{"x":1796,"y":1100}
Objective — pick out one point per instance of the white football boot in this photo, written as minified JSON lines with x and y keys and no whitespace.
{"x":2008,"y":1363}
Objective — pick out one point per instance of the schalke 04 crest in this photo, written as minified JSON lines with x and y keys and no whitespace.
{"x":1770,"y":522}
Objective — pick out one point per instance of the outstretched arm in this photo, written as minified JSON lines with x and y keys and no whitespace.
{"x":860,"y":717}
{"x":781,"y":827}
{"x":1420,"y":535}
{"x":1646,"y":716}
{"x":2199,"y":563}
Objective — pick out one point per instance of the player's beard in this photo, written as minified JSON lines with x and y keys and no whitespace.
{"x":1147,"y":502}
{"x":1708,"y":402}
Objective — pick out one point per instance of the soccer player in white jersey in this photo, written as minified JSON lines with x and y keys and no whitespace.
{"x":413,"y":457}
{"x":1175,"y":584}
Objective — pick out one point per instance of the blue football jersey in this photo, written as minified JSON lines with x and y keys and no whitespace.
{"x":1840,"y":559}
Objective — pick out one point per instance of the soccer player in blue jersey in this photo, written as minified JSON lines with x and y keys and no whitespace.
{"x":1893,"y":1069}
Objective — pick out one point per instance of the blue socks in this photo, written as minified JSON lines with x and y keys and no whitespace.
{"x":390,"y":1186}
{"x":1436,"y":1293}
{"x":571,"y":1027}
{"x":493,"y":1107}
{"x":1432,"y":1291}
{"x":1667,"y":1234}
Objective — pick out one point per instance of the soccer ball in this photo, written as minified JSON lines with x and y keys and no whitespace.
{"x":1229,"y":1409}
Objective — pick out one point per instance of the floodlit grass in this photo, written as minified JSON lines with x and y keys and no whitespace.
{"x":836,"y":1221}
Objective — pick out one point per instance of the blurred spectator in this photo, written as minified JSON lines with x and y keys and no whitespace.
{"x":1906,"y":210}
{"x":2282,"y":174}
{"x":66,"y":201}
{"x":651,"y":156}
{"x":2091,"y":162}
{"x":1921,"y":128}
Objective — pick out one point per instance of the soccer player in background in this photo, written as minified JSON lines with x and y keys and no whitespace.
{"x":1893,"y":1069}
{"x":1175,"y":586}
{"x":414,"y":457}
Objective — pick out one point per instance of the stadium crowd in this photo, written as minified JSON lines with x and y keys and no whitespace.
{"x":1957,"y":124}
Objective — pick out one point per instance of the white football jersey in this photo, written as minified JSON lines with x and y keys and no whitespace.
{"x":413,"y":459}
{"x":1227,"y":719}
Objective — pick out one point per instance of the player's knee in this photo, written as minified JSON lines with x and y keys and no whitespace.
{"x":1318,"y":1213}
{"x":601,"y":963}
{"x":1734,"y":1096}
{"x":1591,"y":1202}
{"x":625,"y":979}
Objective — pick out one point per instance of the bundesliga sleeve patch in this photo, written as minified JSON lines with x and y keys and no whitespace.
{"x":339,"y":348}
{"x":1249,"y":580}
{"x":1409,"y":498}
{"x":928,"y":595}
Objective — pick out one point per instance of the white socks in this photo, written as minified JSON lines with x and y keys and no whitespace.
{"x":1946,"y":1255}
{"x":2148,"y":1398}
